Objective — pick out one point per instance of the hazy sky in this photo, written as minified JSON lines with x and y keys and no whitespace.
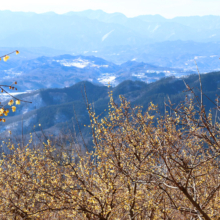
{"x":166,"y":8}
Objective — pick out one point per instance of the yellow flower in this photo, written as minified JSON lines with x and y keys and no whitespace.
{"x":11,"y":102}
{"x":39,"y":125}
{"x":5,"y":58}
{"x":13,"y":108}
{"x":3,"y":120}
{"x":18,"y":102}
{"x":1,"y":111}
{"x":17,"y":52}
{"x":9,"y":132}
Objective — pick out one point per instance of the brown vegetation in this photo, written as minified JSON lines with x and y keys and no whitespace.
{"x":144,"y":166}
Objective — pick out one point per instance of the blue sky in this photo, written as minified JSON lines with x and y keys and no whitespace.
{"x":131,"y":8}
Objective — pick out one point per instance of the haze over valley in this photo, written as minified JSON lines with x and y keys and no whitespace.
{"x":60,"y":51}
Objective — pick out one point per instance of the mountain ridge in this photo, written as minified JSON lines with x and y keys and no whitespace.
{"x":59,"y":31}
{"x":56,"y":109}
{"x":66,"y":70}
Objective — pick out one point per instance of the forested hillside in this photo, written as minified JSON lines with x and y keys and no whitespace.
{"x":54,"y":108}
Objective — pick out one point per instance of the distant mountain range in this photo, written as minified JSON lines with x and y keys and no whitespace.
{"x":66,"y":70}
{"x":153,"y":39}
{"x":174,"y":54}
{"x":93,"y":30}
{"x":54,"y":108}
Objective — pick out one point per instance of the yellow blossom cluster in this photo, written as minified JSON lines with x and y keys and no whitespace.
{"x":143,"y":166}
{"x":6,"y":57}
{"x":4,"y":111}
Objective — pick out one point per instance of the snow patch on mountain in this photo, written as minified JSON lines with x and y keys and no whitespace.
{"x":37,"y":102}
{"x":58,"y":97}
{"x":60,"y":118}
{"x":213,"y":35}
{"x":106,"y":35}
{"x":31,"y":120}
{"x":199,"y":57}
{"x":107,"y":78}
{"x":155,"y":28}
{"x":79,"y":63}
